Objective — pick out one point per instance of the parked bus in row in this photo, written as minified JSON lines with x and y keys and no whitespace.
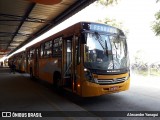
{"x":19,"y":60}
{"x":88,"y":59}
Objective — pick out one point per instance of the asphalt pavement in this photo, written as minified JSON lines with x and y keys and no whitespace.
{"x":21,"y":94}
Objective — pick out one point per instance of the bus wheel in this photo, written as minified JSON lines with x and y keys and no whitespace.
{"x":56,"y":80}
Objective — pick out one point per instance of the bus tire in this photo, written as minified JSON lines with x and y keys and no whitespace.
{"x":56,"y":79}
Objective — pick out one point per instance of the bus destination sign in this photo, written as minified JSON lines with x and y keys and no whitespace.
{"x":102,"y":28}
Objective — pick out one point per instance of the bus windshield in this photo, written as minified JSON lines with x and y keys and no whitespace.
{"x":105,"y":52}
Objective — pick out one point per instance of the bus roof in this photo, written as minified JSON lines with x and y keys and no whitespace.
{"x":85,"y":26}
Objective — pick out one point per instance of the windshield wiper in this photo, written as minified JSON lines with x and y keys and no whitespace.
{"x":102,"y":43}
{"x":99,"y":38}
{"x":116,"y":48}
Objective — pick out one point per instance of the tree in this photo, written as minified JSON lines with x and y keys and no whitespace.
{"x":109,"y":21}
{"x":107,"y":2}
{"x":114,"y":23}
{"x":156,"y":24}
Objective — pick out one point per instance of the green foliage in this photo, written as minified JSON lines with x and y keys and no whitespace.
{"x":108,"y":21}
{"x":114,"y":23}
{"x":156,"y":24}
{"x":111,"y":22}
{"x":106,"y":2}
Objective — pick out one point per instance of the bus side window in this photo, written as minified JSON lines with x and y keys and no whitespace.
{"x":48,"y":49}
{"x":32,"y":53}
{"x":29,"y":57}
{"x":57,"y":47}
{"x":41,"y":51}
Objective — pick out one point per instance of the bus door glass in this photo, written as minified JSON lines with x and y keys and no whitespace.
{"x":68,"y":62}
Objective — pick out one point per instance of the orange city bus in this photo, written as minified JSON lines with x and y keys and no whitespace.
{"x":19,"y":60}
{"x":89,"y":59}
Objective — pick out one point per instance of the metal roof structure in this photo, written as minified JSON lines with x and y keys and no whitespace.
{"x":23,"y":20}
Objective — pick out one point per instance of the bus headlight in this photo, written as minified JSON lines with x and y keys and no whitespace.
{"x":128,"y":76}
{"x":88,"y":75}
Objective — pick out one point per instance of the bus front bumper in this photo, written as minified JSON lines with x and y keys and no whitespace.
{"x":91,"y":89}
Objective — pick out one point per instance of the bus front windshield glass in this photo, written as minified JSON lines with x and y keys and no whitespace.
{"x":105,"y":52}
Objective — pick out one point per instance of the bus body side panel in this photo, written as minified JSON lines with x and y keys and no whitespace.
{"x":23,"y":63}
{"x":80,"y":73}
{"x":30,"y":66}
{"x":27,"y":62}
{"x":47,"y":67}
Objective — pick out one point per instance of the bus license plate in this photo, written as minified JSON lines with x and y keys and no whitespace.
{"x":115,"y":88}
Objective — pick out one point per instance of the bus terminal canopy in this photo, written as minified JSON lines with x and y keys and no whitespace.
{"x":23,"y":20}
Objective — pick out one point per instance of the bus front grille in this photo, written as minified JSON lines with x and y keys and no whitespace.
{"x":110,"y":81}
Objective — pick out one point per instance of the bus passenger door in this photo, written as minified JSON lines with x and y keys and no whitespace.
{"x":68,"y":63}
